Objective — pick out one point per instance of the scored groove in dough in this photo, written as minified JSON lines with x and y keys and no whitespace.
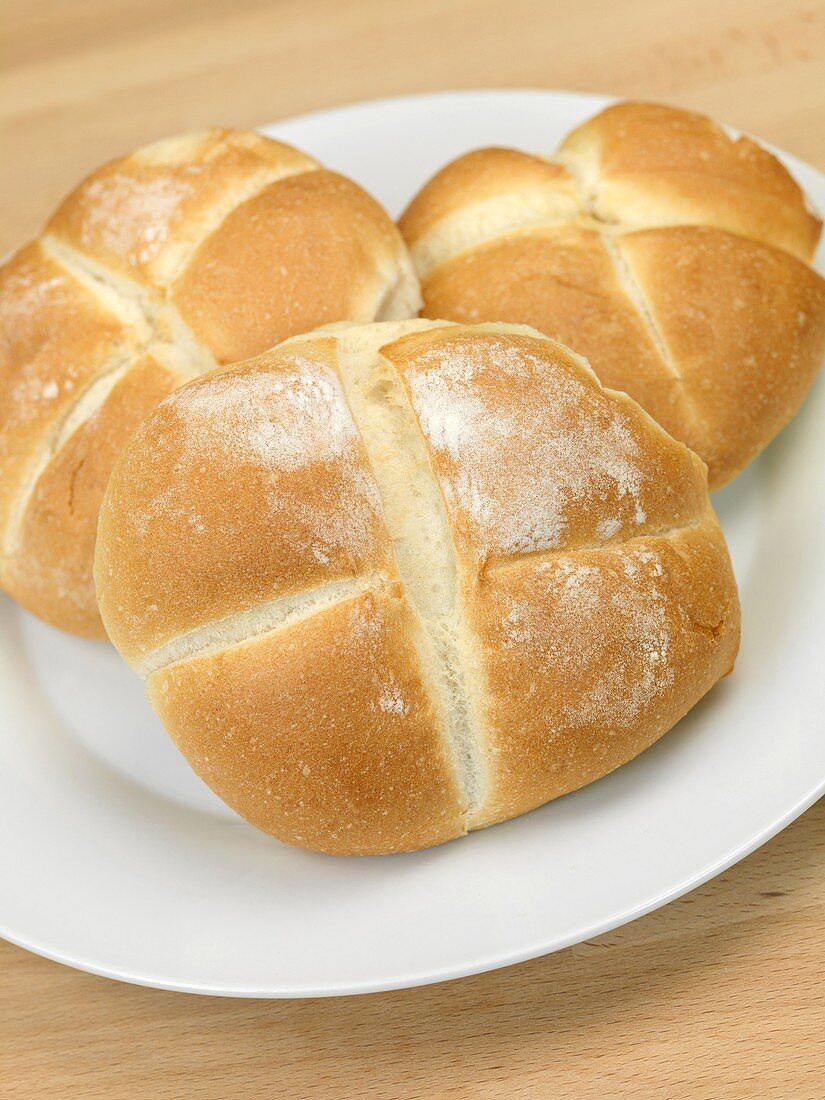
{"x":588,"y":197}
{"x":482,"y":221}
{"x":638,"y":300}
{"x":462,"y":231}
{"x":421,"y":534}
{"x":140,"y":315}
{"x":152,"y":319}
{"x":606,"y":544}
{"x":262,"y":618}
{"x":122,"y":297}
{"x":88,"y":401}
{"x":503,"y":216}
{"x":155,"y":324}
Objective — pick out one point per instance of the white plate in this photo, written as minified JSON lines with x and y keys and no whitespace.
{"x":116,"y":859}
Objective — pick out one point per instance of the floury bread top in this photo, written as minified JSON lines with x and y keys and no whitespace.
{"x":670,"y":255}
{"x":390,"y":583}
{"x":189,"y":253}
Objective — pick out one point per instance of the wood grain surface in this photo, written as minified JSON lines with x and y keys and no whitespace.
{"x":719,"y":994}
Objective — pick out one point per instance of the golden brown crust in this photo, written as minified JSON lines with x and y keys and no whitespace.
{"x":55,"y":339}
{"x":481,"y":175}
{"x":592,"y":655}
{"x":246,"y":485}
{"x":751,"y":343}
{"x":253,"y":242}
{"x":521,"y":476}
{"x":575,"y":600}
{"x":284,"y":261}
{"x":563,"y":282}
{"x":323,"y":734}
{"x":50,"y":573}
{"x":645,"y":164}
{"x":573,"y":279}
{"x":137,"y":214}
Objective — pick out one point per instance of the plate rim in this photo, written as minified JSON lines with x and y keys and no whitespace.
{"x":481,"y":966}
{"x":535,"y":950}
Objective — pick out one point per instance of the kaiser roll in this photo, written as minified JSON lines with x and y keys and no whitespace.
{"x":390,"y":583}
{"x":192,"y":252}
{"x":669,"y":254}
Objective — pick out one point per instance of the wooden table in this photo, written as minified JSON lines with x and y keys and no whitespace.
{"x":717,"y":995}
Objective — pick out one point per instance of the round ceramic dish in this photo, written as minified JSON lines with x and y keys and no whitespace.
{"x":116,"y":859}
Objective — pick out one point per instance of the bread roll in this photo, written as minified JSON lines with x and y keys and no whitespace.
{"x":390,"y":583}
{"x":192,"y":252}
{"x":670,"y":255}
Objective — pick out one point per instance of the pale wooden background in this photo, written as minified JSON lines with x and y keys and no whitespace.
{"x":719,"y":994}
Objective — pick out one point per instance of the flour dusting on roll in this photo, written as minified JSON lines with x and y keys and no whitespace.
{"x":195,"y":251}
{"x":532,"y":587}
{"x":675,"y":258}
